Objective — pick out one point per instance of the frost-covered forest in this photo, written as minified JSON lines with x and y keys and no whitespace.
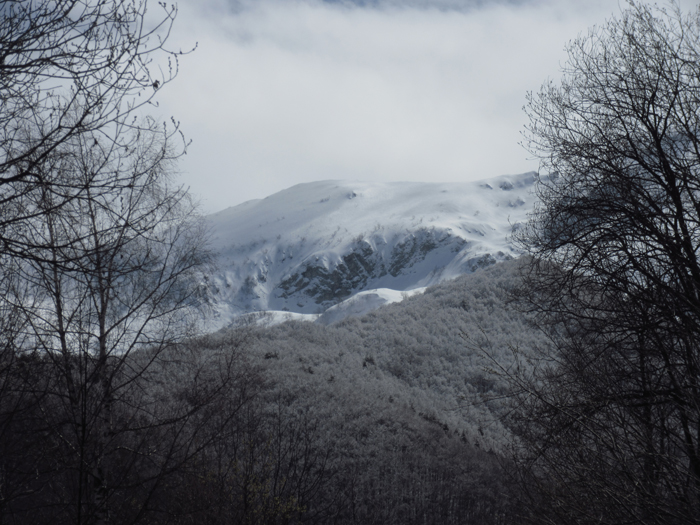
{"x":422,"y":354}
{"x":400,"y":408}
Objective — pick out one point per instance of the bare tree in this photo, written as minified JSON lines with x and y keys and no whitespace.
{"x":609,"y":421}
{"x":99,"y":257}
{"x":112,"y":274}
{"x":70,"y":69}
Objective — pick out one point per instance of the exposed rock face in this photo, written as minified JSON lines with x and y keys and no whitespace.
{"x":366,"y":264}
{"x":326,"y":285}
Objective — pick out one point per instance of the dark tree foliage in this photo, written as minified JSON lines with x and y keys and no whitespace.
{"x":609,"y":421}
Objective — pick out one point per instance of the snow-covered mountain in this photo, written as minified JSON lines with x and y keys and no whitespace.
{"x":306,"y":249}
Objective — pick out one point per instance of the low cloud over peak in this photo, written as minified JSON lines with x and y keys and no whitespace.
{"x":283,"y":92}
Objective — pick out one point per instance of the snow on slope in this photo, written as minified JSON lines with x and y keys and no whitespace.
{"x":364,"y":302}
{"x":312,"y":246}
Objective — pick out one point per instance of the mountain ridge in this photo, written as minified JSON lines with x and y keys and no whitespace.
{"x":308,"y":248}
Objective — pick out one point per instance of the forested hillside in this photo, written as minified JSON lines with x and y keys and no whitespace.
{"x":387,"y":418}
{"x":421,"y":352}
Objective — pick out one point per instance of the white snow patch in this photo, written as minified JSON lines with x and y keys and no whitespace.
{"x":271,"y":318}
{"x":365,"y":302}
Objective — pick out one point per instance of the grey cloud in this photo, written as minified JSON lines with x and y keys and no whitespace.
{"x":439,"y":4}
{"x":289,"y":91}
{"x":446,"y":5}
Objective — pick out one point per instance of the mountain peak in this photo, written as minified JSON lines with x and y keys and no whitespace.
{"x":314,"y":245}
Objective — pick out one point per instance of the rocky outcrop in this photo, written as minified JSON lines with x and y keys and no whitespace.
{"x":374,"y":263}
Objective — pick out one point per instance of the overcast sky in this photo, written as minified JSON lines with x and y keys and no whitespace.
{"x":281,"y":92}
